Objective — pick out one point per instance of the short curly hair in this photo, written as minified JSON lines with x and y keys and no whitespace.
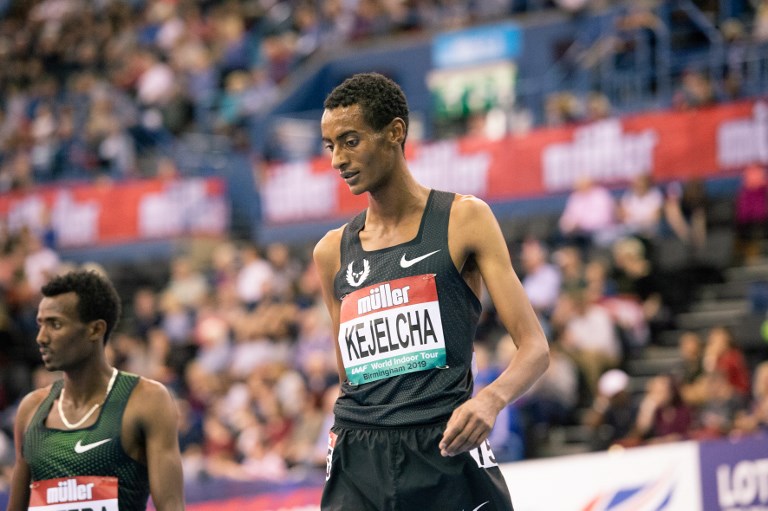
{"x":97,"y":296}
{"x":379,"y":97}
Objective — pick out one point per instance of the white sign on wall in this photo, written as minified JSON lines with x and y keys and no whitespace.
{"x":639,"y":479}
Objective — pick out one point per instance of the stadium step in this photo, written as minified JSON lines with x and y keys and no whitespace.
{"x":711,"y":318}
{"x":749,"y":273}
{"x":738,"y":305}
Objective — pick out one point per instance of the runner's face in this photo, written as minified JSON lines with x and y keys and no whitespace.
{"x":62,"y":337}
{"x":358,"y":152}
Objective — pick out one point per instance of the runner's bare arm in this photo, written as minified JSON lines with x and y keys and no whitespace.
{"x":19,"y":497}
{"x":475,"y":231}
{"x":159,"y":422}
{"x":327,"y":257}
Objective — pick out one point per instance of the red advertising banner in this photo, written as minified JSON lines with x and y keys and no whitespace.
{"x":106,"y":213}
{"x":668,"y":145}
{"x":302,"y":499}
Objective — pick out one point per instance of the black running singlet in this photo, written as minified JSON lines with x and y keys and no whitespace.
{"x":407,"y":324}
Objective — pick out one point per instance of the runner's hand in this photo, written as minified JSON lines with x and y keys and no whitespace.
{"x":470,"y":424}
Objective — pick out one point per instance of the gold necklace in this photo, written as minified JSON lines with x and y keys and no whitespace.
{"x":68,"y":424}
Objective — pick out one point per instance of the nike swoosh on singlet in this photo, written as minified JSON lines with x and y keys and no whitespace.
{"x":481,"y":505}
{"x":80,"y":448}
{"x":407,"y":263}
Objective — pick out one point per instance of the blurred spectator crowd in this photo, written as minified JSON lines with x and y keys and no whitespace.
{"x":240,"y":335}
{"x":103,"y":89}
{"x":94,"y":89}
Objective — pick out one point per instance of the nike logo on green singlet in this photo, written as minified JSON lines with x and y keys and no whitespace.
{"x":80,"y":448}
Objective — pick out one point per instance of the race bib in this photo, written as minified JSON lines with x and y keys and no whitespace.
{"x":483,"y":455}
{"x":78,"y":493}
{"x":391,"y":328}
{"x":329,"y":457}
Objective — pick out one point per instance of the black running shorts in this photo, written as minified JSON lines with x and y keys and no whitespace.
{"x":401,"y":469}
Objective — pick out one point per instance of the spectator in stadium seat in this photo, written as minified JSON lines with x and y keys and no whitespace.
{"x":555,"y":396}
{"x":755,"y":417}
{"x":760,"y":25}
{"x":597,"y":107}
{"x":598,"y":277}
{"x":636,"y":279}
{"x":562,"y":108}
{"x":589,"y":217}
{"x":285,"y":271}
{"x":722,"y":354}
{"x":690,"y":349}
{"x":751,"y":213}
{"x":611,"y":417}
{"x":588,"y":334}
{"x":541,"y":278}
{"x":640,"y":208}
{"x":187,"y":284}
{"x":685,"y":211}
{"x":718,"y":408}
{"x":662,"y":415}
{"x":218,"y":446}
{"x":254,"y":280}
{"x":41,"y":262}
{"x":695,"y":91}
{"x":570,"y":263}
{"x":144,"y":313}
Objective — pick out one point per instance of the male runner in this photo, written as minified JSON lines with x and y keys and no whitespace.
{"x":402,"y":283}
{"x":98,"y":439}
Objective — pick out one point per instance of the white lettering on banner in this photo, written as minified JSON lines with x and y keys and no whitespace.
{"x":744,"y":141}
{"x":746,"y":484}
{"x":69,"y":491}
{"x":27,"y":212}
{"x":442,"y":166}
{"x":382,"y":297}
{"x":599,"y":151}
{"x":75,"y":223}
{"x":294,"y":192}
{"x":182,"y":207}
{"x":76,"y":493}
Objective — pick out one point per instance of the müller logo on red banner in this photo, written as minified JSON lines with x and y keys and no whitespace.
{"x":69,"y":491}
{"x":382,"y":297}
{"x":79,"y":493}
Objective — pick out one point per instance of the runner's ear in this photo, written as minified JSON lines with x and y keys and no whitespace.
{"x":97,"y":329}
{"x":396,"y":131}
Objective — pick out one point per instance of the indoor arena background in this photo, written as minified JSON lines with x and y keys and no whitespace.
{"x":175,"y":145}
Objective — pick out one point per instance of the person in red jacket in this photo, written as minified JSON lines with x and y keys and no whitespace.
{"x":721,"y":354}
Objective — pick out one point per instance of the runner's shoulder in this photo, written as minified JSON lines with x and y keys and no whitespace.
{"x":152,"y":397}
{"x":29,"y":405}
{"x":468,"y":209}
{"x":151,"y":389}
{"x":327,"y":250}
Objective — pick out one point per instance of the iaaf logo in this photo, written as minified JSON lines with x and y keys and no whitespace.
{"x":652,"y":496}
